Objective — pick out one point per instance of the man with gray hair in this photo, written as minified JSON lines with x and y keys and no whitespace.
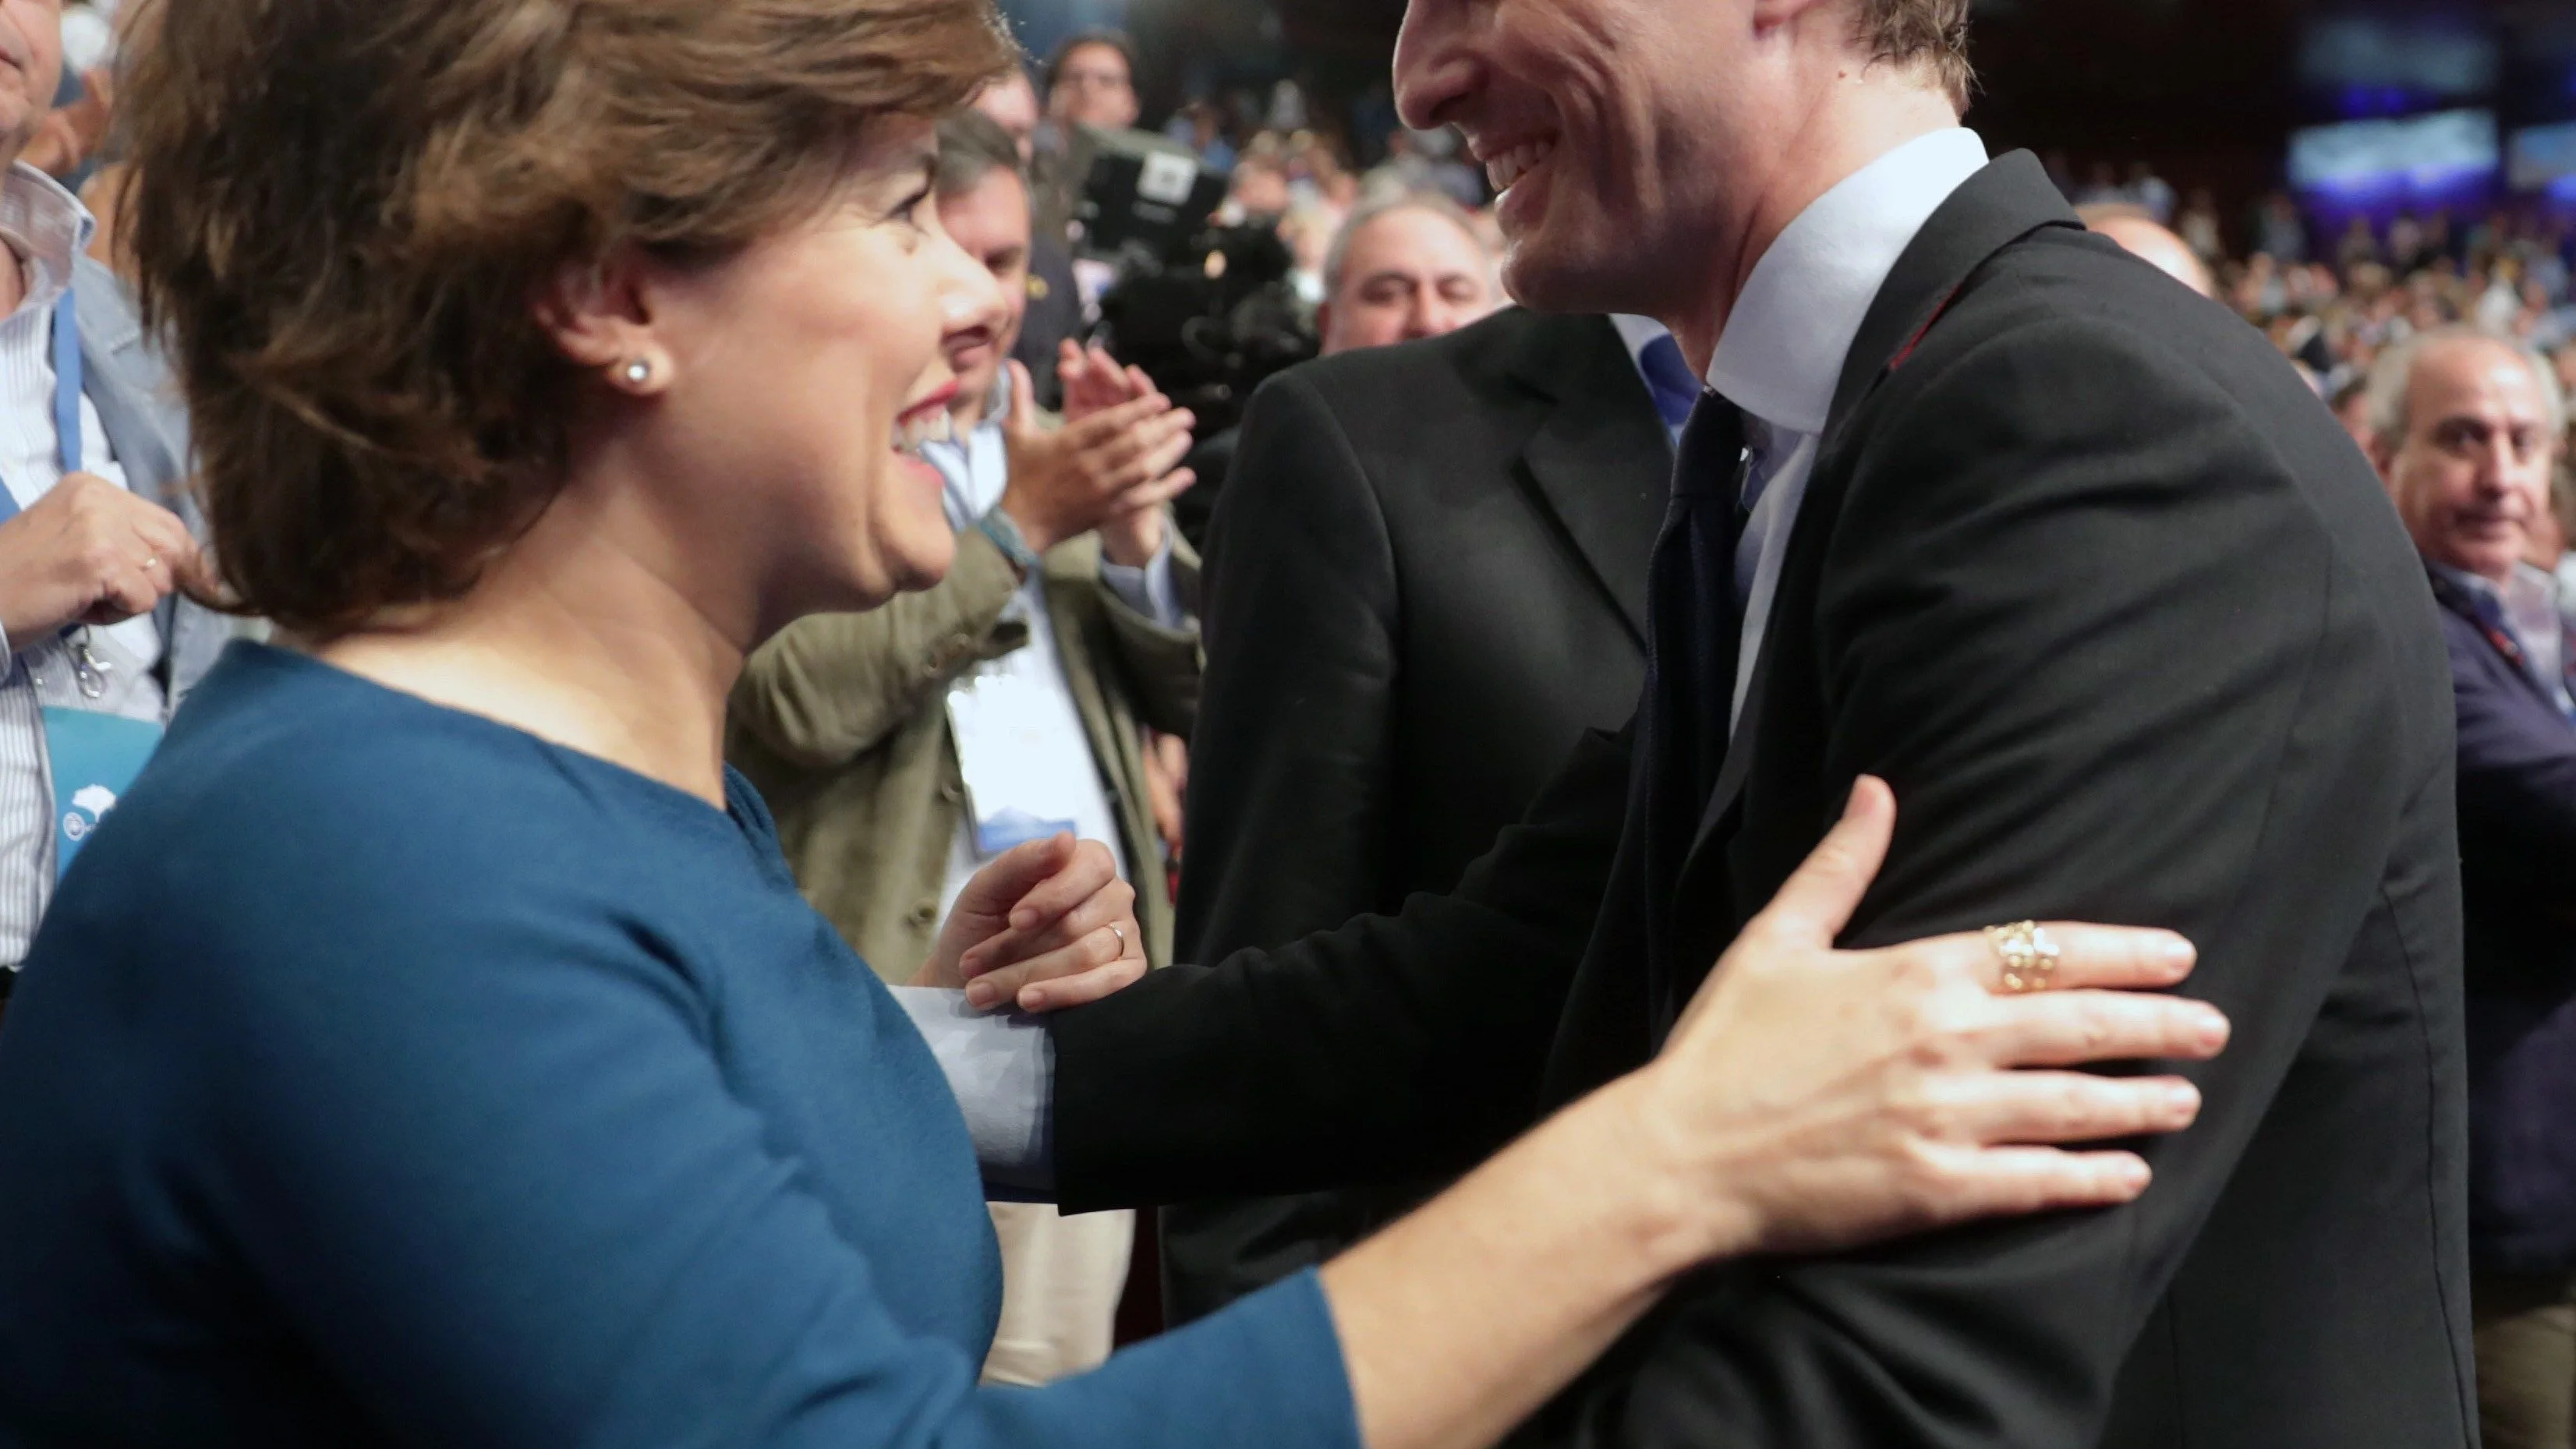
{"x":2467,"y":429}
{"x":1404,"y":267}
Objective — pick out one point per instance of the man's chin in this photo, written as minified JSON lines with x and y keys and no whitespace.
{"x":1545,"y":278}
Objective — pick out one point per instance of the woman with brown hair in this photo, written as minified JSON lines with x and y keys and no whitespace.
{"x":433,"y":1048}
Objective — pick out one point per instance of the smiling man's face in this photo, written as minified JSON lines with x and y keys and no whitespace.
{"x":31,"y":67}
{"x":1620,"y":129}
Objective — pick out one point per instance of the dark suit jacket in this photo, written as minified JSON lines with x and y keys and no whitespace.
{"x":2088,"y":574}
{"x":2518,"y":879}
{"x":1426,"y":581}
{"x":1054,"y":314}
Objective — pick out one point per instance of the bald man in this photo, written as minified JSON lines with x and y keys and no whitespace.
{"x":2143,"y":237}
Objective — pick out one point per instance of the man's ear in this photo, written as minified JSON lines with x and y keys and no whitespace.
{"x":2383,"y":456}
{"x":600,"y":317}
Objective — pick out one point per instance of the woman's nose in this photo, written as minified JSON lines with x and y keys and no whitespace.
{"x":969,"y":297}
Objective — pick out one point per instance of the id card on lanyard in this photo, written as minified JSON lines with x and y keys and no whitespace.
{"x":91,"y":755}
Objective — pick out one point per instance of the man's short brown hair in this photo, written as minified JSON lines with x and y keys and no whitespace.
{"x":1932,"y":34}
{"x":343,"y":213}
{"x":973,"y":146}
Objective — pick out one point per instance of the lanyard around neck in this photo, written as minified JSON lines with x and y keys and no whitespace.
{"x":67,"y":397}
{"x":67,"y":383}
{"x":86,"y":668}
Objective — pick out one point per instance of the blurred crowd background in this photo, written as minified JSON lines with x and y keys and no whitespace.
{"x":2352,"y":172}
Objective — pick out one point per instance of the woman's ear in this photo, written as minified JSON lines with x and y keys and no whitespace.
{"x":600,"y":317}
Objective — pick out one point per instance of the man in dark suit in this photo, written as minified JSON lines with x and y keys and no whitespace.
{"x":2466,"y":428}
{"x":1427,"y":580}
{"x":1986,"y":507}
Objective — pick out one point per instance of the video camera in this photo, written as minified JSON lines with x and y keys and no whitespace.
{"x":1207,"y":311}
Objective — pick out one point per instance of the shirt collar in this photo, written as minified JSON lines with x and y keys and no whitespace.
{"x":1782,"y":353}
{"x":46,"y":226}
{"x":2531,"y":586}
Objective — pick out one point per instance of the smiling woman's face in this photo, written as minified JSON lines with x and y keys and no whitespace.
{"x":798,"y":368}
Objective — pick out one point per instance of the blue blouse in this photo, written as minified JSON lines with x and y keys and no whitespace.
{"x":384,"y":1074}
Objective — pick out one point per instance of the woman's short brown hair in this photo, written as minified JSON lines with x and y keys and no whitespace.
{"x":343,"y":212}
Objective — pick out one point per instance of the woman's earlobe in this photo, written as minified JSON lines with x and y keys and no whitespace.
{"x":639,"y":376}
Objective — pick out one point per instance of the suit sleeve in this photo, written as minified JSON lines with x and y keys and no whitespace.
{"x":2517,"y":791}
{"x":1410,"y":1044}
{"x":1289,"y":800}
{"x":1289,"y":764}
{"x":2085,"y":623}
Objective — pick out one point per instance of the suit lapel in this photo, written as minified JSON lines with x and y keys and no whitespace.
{"x":1602,"y":461}
{"x":2009,"y":200}
{"x":110,"y":336}
{"x":139,"y":433}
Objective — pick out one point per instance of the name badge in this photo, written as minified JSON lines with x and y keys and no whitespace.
{"x":1016,"y":787}
{"x":93,"y":759}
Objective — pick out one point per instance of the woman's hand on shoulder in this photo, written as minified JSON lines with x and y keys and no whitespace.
{"x":1829,"y":1098}
{"x":1046,"y":925}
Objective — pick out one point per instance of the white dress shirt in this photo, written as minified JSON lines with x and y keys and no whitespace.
{"x":977,"y":469}
{"x":44,"y":227}
{"x":1782,"y":353}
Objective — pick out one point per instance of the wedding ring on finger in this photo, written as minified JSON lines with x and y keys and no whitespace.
{"x":1121,"y":933}
{"x":2028,"y":956}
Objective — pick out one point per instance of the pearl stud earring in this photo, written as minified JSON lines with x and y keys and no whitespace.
{"x":639,"y":372}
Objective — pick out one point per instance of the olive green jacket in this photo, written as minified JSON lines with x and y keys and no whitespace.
{"x":842,"y":723}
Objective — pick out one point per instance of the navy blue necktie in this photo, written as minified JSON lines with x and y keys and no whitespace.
{"x":1669,"y":379}
{"x":1692,"y":633}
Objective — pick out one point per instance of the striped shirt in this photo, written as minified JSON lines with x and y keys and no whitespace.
{"x":44,"y":227}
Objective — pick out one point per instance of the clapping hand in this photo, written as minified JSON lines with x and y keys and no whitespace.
{"x":1094,"y":382}
{"x":1111,"y":470}
{"x":1045,"y":926}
